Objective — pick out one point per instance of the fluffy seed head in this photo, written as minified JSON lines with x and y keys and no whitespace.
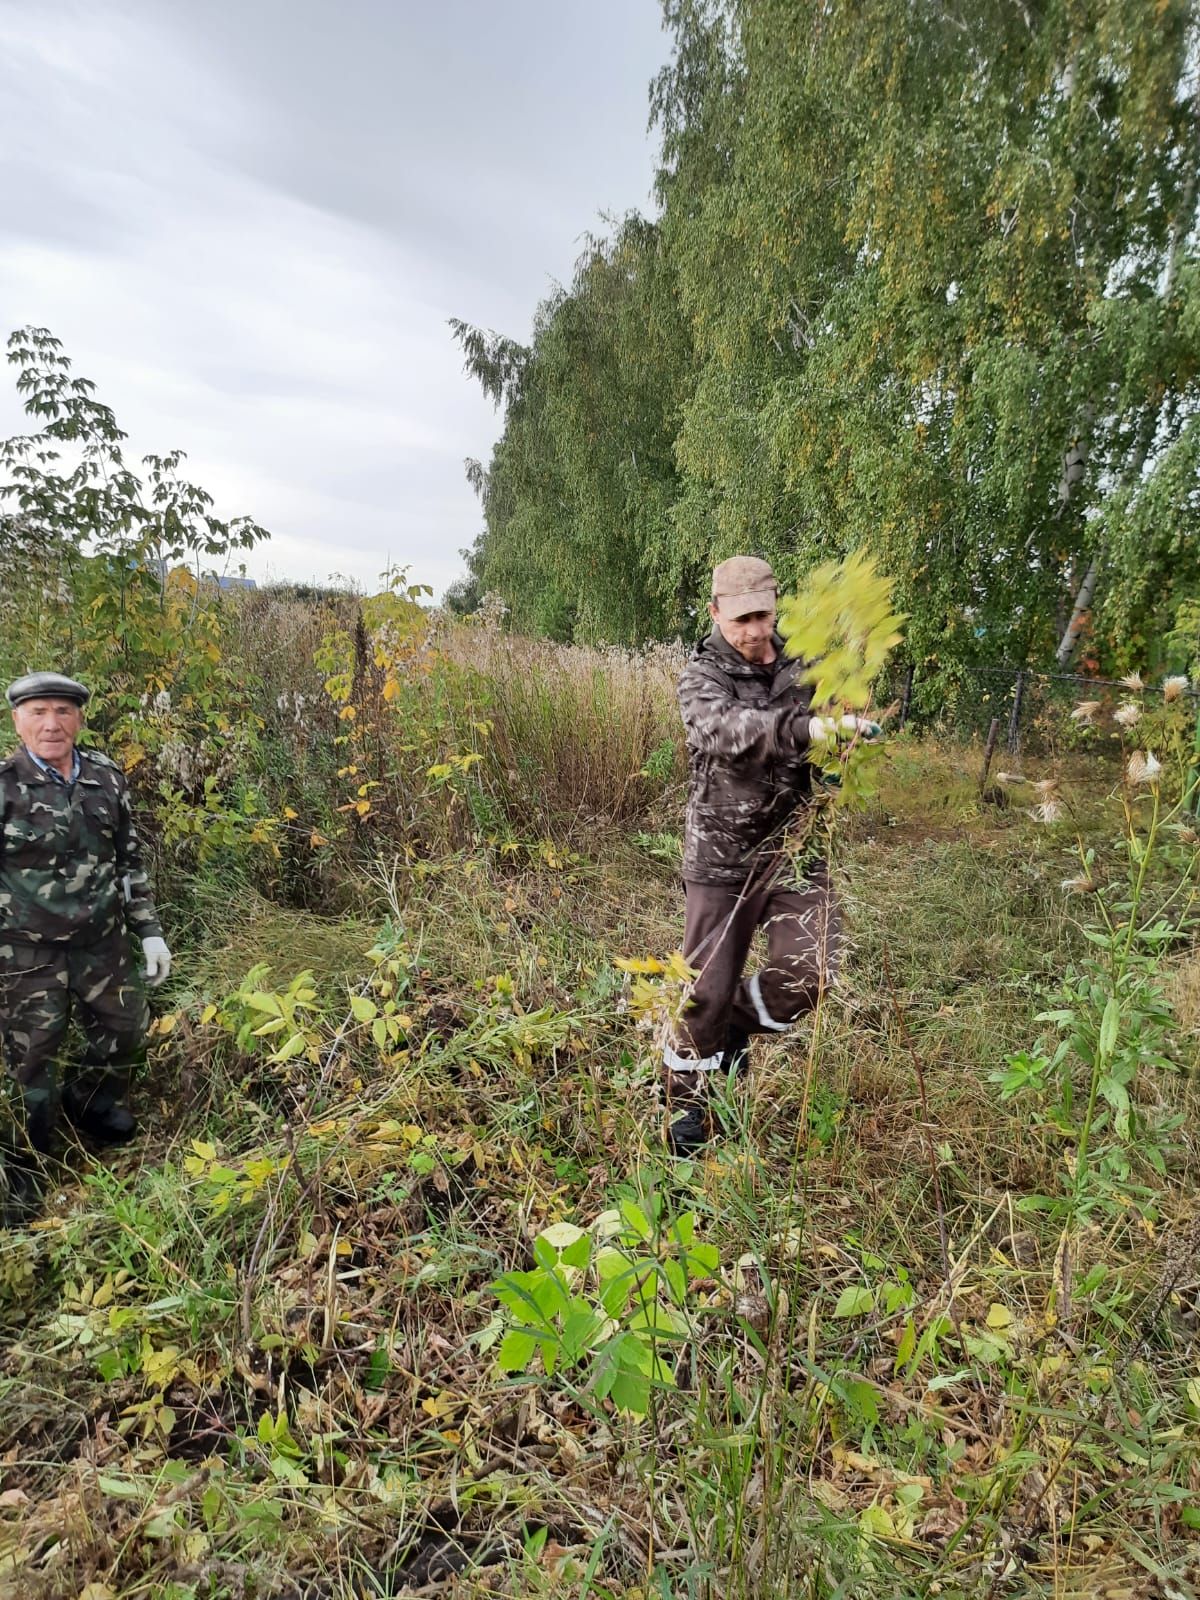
{"x":1143,"y":767}
{"x":1080,"y":885}
{"x":1125,"y":716}
{"x":1049,"y":811}
{"x":1085,"y":712}
{"x":1173,"y":688}
{"x":1134,"y":682}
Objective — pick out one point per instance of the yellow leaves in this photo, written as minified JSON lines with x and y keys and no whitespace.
{"x":389,"y":1131}
{"x":999,"y":1317}
{"x":160,"y":1366}
{"x":223,"y":1183}
{"x":441,"y":1405}
{"x":454,"y":766}
{"x":161,"y":1026}
{"x":639,"y":964}
{"x":289,"y":814}
{"x":843,"y":624}
{"x":92,"y":1296}
{"x":658,"y":987}
{"x":673,"y":967}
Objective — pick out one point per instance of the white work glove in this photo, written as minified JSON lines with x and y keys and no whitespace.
{"x":158,"y":961}
{"x":825,"y":730}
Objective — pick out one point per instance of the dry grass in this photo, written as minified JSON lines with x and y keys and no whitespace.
{"x":577,"y":735}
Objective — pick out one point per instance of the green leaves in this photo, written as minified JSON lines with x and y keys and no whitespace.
{"x":606,"y":1299}
{"x":1109,"y":1024}
{"x":101,"y":568}
{"x":856,"y":1301}
{"x":1114,"y":1024}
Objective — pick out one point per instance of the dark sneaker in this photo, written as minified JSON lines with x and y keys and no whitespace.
{"x":100,"y":1117}
{"x":689,"y":1125}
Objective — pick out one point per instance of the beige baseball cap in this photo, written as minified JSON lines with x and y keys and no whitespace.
{"x":743,"y":584}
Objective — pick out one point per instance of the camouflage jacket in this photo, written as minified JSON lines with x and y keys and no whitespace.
{"x":747,"y":738}
{"x":70,"y":861}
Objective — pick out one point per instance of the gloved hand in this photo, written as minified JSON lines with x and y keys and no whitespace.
{"x":158,"y":961}
{"x":825,"y":730}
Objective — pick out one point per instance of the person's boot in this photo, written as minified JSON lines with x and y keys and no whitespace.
{"x":101,"y":1115}
{"x":736,"y":1057}
{"x":689,"y":1121}
{"x":20,"y":1189}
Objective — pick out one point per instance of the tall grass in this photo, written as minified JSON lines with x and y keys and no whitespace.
{"x":562,"y":739}
{"x":576,"y":733}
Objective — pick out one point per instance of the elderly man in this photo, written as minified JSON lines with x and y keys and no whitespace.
{"x":749,"y":732}
{"x":72,"y":890}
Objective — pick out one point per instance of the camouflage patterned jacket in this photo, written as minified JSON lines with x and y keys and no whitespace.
{"x":70,"y":861}
{"x":747,"y":737}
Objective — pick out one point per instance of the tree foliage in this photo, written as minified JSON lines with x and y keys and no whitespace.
{"x":103,"y":570}
{"x":923,"y":281}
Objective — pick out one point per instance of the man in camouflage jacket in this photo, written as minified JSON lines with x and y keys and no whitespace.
{"x":749,"y":732}
{"x":72,"y":890}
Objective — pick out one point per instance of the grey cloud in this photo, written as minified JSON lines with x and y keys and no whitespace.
{"x":250,"y":222}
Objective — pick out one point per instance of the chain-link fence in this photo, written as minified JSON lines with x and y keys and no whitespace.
{"x":1017,"y":709}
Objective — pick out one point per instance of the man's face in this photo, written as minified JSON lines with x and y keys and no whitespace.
{"x":48,"y":728}
{"x":750,"y":636}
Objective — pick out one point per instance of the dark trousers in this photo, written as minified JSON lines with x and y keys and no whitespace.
{"x":802,"y":928}
{"x":39,"y":985}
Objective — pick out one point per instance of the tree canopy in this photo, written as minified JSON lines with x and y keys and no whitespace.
{"x":921,"y":280}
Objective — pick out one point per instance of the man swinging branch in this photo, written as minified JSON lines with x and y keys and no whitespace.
{"x":749,"y":733}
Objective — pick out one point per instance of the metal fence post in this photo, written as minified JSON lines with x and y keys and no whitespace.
{"x":1014,"y":721}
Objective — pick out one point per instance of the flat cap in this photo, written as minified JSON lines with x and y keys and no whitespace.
{"x":46,"y":686}
{"x":743,"y":584}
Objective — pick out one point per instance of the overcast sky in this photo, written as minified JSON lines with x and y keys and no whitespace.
{"x":249,"y":220}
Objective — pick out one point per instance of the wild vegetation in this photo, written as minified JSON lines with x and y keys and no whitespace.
{"x":399,"y":1295}
{"x":398,"y":1292}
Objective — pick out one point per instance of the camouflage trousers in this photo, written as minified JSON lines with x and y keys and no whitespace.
{"x":803,"y":932}
{"x":40,"y":985}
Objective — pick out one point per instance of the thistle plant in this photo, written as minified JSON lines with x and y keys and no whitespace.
{"x":1110,"y":1016}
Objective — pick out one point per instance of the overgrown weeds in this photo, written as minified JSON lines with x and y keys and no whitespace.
{"x":258,"y":1354}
